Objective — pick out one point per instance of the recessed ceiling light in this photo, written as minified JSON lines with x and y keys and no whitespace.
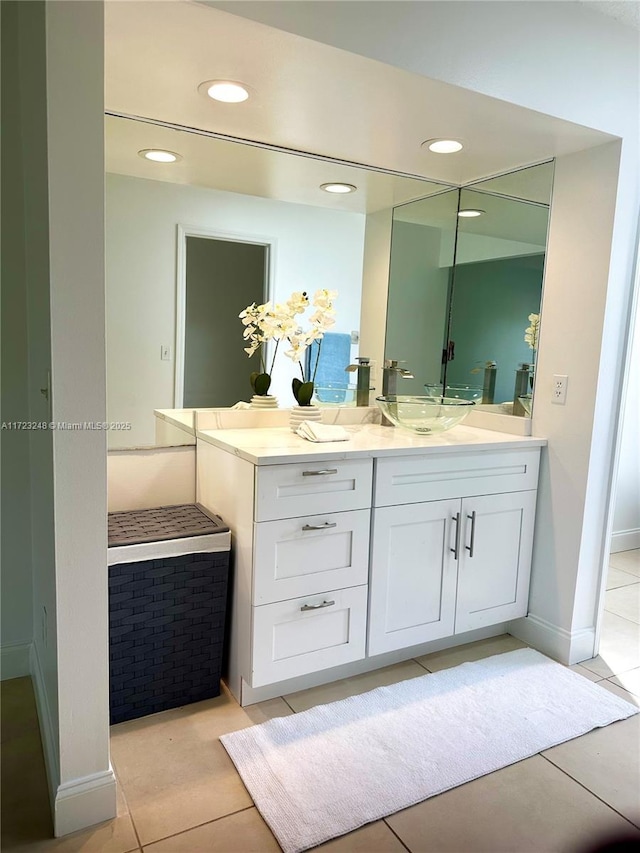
{"x":338,"y":188}
{"x":227,"y":91}
{"x":443,"y":146}
{"x":470,"y":212}
{"x":159,"y":155}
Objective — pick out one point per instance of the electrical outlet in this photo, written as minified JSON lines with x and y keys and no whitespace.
{"x":355,"y":337}
{"x":165,"y":352}
{"x":559,"y":394}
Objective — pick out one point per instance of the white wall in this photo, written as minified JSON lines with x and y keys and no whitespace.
{"x":85,"y":790}
{"x":28,"y":507}
{"x":159,"y":476}
{"x":17,"y":586}
{"x":626,"y":520}
{"x":314,"y":248}
{"x":568,"y":61}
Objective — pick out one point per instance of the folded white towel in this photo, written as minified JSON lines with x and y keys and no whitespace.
{"x":241,"y":405}
{"x":314,"y":431}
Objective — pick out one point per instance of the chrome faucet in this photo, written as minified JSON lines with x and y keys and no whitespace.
{"x":363,"y":368}
{"x":390,"y":375}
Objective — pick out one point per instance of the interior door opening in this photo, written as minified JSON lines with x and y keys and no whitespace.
{"x":221,"y":277}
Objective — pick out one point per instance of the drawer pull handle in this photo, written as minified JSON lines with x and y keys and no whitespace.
{"x":326,"y":525}
{"x":317,"y":606}
{"x":456,"y":547}
{"x":472,"y":519}
{"x":321,"y":473}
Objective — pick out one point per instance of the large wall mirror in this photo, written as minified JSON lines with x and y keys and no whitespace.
{"x":465,"y":288}
{"x":241,"y":222}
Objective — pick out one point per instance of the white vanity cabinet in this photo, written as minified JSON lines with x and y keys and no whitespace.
{"x":301,"y":562}
{"x":443,"y":567}
{"x":346,"y":555}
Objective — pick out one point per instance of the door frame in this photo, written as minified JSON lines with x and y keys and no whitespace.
{"x":182,"y":232}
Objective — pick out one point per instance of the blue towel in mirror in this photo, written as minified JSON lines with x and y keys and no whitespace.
{"x":335,"y":355}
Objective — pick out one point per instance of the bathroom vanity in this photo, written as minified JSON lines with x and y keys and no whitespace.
{"x":346,"y":551}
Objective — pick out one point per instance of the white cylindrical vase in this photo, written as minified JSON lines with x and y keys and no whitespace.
{"x":264,"y":401}
{"x":304,"y":413}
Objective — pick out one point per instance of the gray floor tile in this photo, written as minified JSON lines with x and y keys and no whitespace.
{"x":628,"y":561}
{"x":616,"y":578}
{"x":619,"y":647}
{"x":470,"y":652}
{"x":625,"y":602}
{"x":606,"y":762}
{"x":529,"y":807}
{"x":337,"y":690}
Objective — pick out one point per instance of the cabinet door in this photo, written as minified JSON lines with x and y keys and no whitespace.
{"x":413,"y":575}
{"x":495,"y":559}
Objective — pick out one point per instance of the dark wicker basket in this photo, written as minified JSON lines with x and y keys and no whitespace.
{"x":166,"y":632}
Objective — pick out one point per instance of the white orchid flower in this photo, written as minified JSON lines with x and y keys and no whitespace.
{"x":532,"y":331}
{"x":279,"y":322}
{"x":297,"y":302}
{"x":324,"y":298}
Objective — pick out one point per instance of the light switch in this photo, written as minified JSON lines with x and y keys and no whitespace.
{"x":165,"y":352}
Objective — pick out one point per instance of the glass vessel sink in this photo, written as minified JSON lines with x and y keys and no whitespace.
{"x":424,"y":414}
{"x":334,"y":395}
{"x":526,"y":403}
{"x":462,"y":392}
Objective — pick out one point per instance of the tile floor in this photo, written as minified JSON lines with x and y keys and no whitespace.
{"x":179,"y":792}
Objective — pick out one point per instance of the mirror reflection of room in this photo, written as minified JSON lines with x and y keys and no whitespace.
{"x":465,"y":290}
{"x":177,"y":236}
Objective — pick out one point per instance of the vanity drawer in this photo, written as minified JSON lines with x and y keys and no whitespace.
{"x":302,"y":556}
{"x":310,"y":488}
{"x":289,"y":640}
{"x":453,"y":475}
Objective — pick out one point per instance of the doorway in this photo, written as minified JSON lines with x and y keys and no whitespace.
{"x":218,"y":276}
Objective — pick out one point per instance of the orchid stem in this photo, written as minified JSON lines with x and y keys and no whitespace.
{"x":315,"y":369}
{"x":275,"y":352}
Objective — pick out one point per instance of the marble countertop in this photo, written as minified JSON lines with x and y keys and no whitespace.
{"x":279,"y":445}
{"x":182,"y":418}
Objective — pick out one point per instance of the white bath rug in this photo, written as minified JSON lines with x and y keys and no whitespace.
{"x":326,"y":771}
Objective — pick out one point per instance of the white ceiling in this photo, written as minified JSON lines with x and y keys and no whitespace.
{"x":233,"y":167}
{"x":312,"y":97}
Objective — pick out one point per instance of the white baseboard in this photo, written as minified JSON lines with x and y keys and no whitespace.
{"x":80,"y":802}
{"x":15,"y":660}
{"x":84,"y":802}
{"x":568,"y":647}
{"x":625,"y":540}
{"x":47,"y":734}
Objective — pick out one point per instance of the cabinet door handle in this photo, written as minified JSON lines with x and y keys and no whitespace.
{"x":320,"y":473}
{"x":326,"y":525}
{"x":317,"y":606}
{"x":456,"y":547}
{"x":469,"y":547}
